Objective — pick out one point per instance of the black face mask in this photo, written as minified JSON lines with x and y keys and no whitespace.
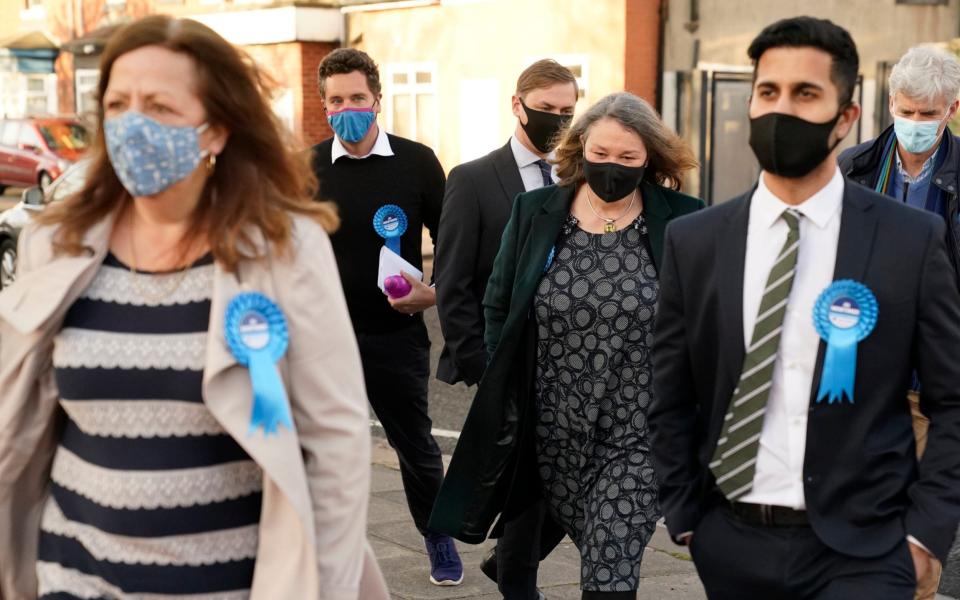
{"x":611,"y":181}
{"x":789,"y":146}
{"x":543,"y":127}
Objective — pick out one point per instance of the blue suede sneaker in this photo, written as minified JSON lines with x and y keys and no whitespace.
{"x":445,"y":565}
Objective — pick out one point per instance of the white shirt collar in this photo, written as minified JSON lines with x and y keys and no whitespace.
{"x":523,"y":155}
{"x":818,"y":208}
{"x":381,"y":147}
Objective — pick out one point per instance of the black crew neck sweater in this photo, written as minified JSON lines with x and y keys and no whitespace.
{"x":413,"y":180}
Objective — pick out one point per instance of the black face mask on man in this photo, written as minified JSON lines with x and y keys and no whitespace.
{"x":543,"y":128}
{"x":612,"y":181}
{"x":789,"y":146}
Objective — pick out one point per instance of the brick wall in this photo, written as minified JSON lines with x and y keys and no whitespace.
{"x":314,"y":127}
{"x":641,"y":64}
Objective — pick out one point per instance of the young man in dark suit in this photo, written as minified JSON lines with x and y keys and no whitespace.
{"x":476,"y":206}
{"x":785,"y":462}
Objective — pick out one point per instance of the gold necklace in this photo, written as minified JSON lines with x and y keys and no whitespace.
{"x":611,"y":224}
{"x":153,"y":297}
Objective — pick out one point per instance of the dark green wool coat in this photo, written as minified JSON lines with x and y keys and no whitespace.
{"x":493,"y":471}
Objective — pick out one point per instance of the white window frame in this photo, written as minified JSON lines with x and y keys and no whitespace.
{"x":414,"y":89}
{"x":80,"y":89}
{"x":48,"y":93}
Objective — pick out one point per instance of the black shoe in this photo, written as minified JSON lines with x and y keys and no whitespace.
{"x":489,"y":565}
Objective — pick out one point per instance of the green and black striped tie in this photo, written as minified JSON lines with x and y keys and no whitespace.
{"x":734,"y":460}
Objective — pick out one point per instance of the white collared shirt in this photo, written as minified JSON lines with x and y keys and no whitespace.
{"x":527,"y":163}
{"x":779,"y":470}
{"x":381,"y":147}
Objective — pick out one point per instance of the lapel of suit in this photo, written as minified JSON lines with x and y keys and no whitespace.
{"x":51,"y":288}
{"x":228,"y":393}
{"x":656,"y":213}
{"x":508,"y":174}
{"x":858,"y":227}
{"x":731,"y":255}
{"x":544,"y":229}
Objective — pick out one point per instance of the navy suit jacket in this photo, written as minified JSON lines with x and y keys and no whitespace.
{"x":864,"y":488}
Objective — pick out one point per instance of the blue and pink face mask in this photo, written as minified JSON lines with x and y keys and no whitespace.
{"x":351,"y":124}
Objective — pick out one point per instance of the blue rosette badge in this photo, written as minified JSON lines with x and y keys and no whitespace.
{"x":257,"y":335}
{"x":844,"y":314}
{"x":390,"y":223}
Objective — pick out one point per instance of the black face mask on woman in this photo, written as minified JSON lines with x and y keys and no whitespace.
{"x":612,"y":181}
{"x":543,"y":128}
{"x":789,"y":146}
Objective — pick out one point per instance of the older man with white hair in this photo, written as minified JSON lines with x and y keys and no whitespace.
{"x":917,"y":161}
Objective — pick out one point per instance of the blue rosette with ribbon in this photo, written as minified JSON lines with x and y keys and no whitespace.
{"x":845,"y":313}
{"x":257,"y":335}
{"x":390,"y":223}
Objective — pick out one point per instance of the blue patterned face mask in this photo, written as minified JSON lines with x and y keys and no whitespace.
{"x":148,"y":156}
{"x":351,"y":124}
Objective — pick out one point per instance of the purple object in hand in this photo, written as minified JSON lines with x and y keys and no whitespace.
{"x":396,"y":286}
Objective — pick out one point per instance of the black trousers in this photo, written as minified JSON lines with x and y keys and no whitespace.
{"x":526,"y":541}
{"x":396,"y":367}
{"x":737,"y":560}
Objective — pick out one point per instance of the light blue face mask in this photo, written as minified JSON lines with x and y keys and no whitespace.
{"x":351,"y":124}
{"x":148,"y":156}
{"x":916,"y":136}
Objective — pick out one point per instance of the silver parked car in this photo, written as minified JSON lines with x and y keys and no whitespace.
{"x":32,"y":201}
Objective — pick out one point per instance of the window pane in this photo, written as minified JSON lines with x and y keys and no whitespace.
{"x":10,"y":132}
{"x":37,"y":105}
{"x":65,"y":136}
{"x":426,"y":118}
{"x":29,"y":137}
{"x":402,"y":109}
{"x":399,"y":77}
{"x":36,"y":84}
{"x":424,"y":77}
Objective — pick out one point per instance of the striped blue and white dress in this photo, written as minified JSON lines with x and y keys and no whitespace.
{"x":150,"y":497}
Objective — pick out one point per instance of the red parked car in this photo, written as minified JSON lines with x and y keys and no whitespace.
{"x":36,"y":150}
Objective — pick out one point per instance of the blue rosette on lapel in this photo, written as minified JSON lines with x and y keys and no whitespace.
{"x":845,"y":313}
{"x":257,"y":335}
{"x":390,"y":223}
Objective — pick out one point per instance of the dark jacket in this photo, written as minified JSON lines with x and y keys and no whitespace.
{"x":493,"y":470}
{"x":864,"y":489}
{"x":862,"y":164}
{"x":476,"y":207}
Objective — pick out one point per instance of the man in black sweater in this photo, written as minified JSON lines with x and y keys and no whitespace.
{"x":386,"y":189}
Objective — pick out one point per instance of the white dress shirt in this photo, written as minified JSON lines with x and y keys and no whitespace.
{"x":778,"y":479}
{"x":381,"y":147}
{"x":527,"y":163}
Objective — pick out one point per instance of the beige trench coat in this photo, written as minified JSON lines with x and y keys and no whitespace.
{"x":312,"y":541}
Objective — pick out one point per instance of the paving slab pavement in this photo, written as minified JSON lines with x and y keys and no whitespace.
{"x":666,"y":574}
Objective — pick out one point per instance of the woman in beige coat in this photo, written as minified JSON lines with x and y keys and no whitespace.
{"x":147,"y":446}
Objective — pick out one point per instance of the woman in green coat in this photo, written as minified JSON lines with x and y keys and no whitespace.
{"x":569,"y":308}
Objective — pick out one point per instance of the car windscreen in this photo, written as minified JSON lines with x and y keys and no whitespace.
{"x":65,"y":136}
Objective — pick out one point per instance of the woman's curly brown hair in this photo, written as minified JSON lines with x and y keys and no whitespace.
{"x":668,"y":155}
{"x":259,"y":179}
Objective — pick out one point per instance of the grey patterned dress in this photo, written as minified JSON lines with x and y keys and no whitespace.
{"x":595,"y":308}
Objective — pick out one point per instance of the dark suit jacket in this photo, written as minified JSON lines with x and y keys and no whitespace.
{"x":476,"y":206}
{"x":864,"y":489}
{"x":493,"y":469}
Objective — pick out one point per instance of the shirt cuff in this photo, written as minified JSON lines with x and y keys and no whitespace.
{"x":918,"y":544}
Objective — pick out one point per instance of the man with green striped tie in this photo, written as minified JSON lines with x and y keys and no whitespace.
{"x":790,"y":322}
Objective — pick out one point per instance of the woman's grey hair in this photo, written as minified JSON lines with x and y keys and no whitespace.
{"x":668,"y":156}
{"x":926,"y":73}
